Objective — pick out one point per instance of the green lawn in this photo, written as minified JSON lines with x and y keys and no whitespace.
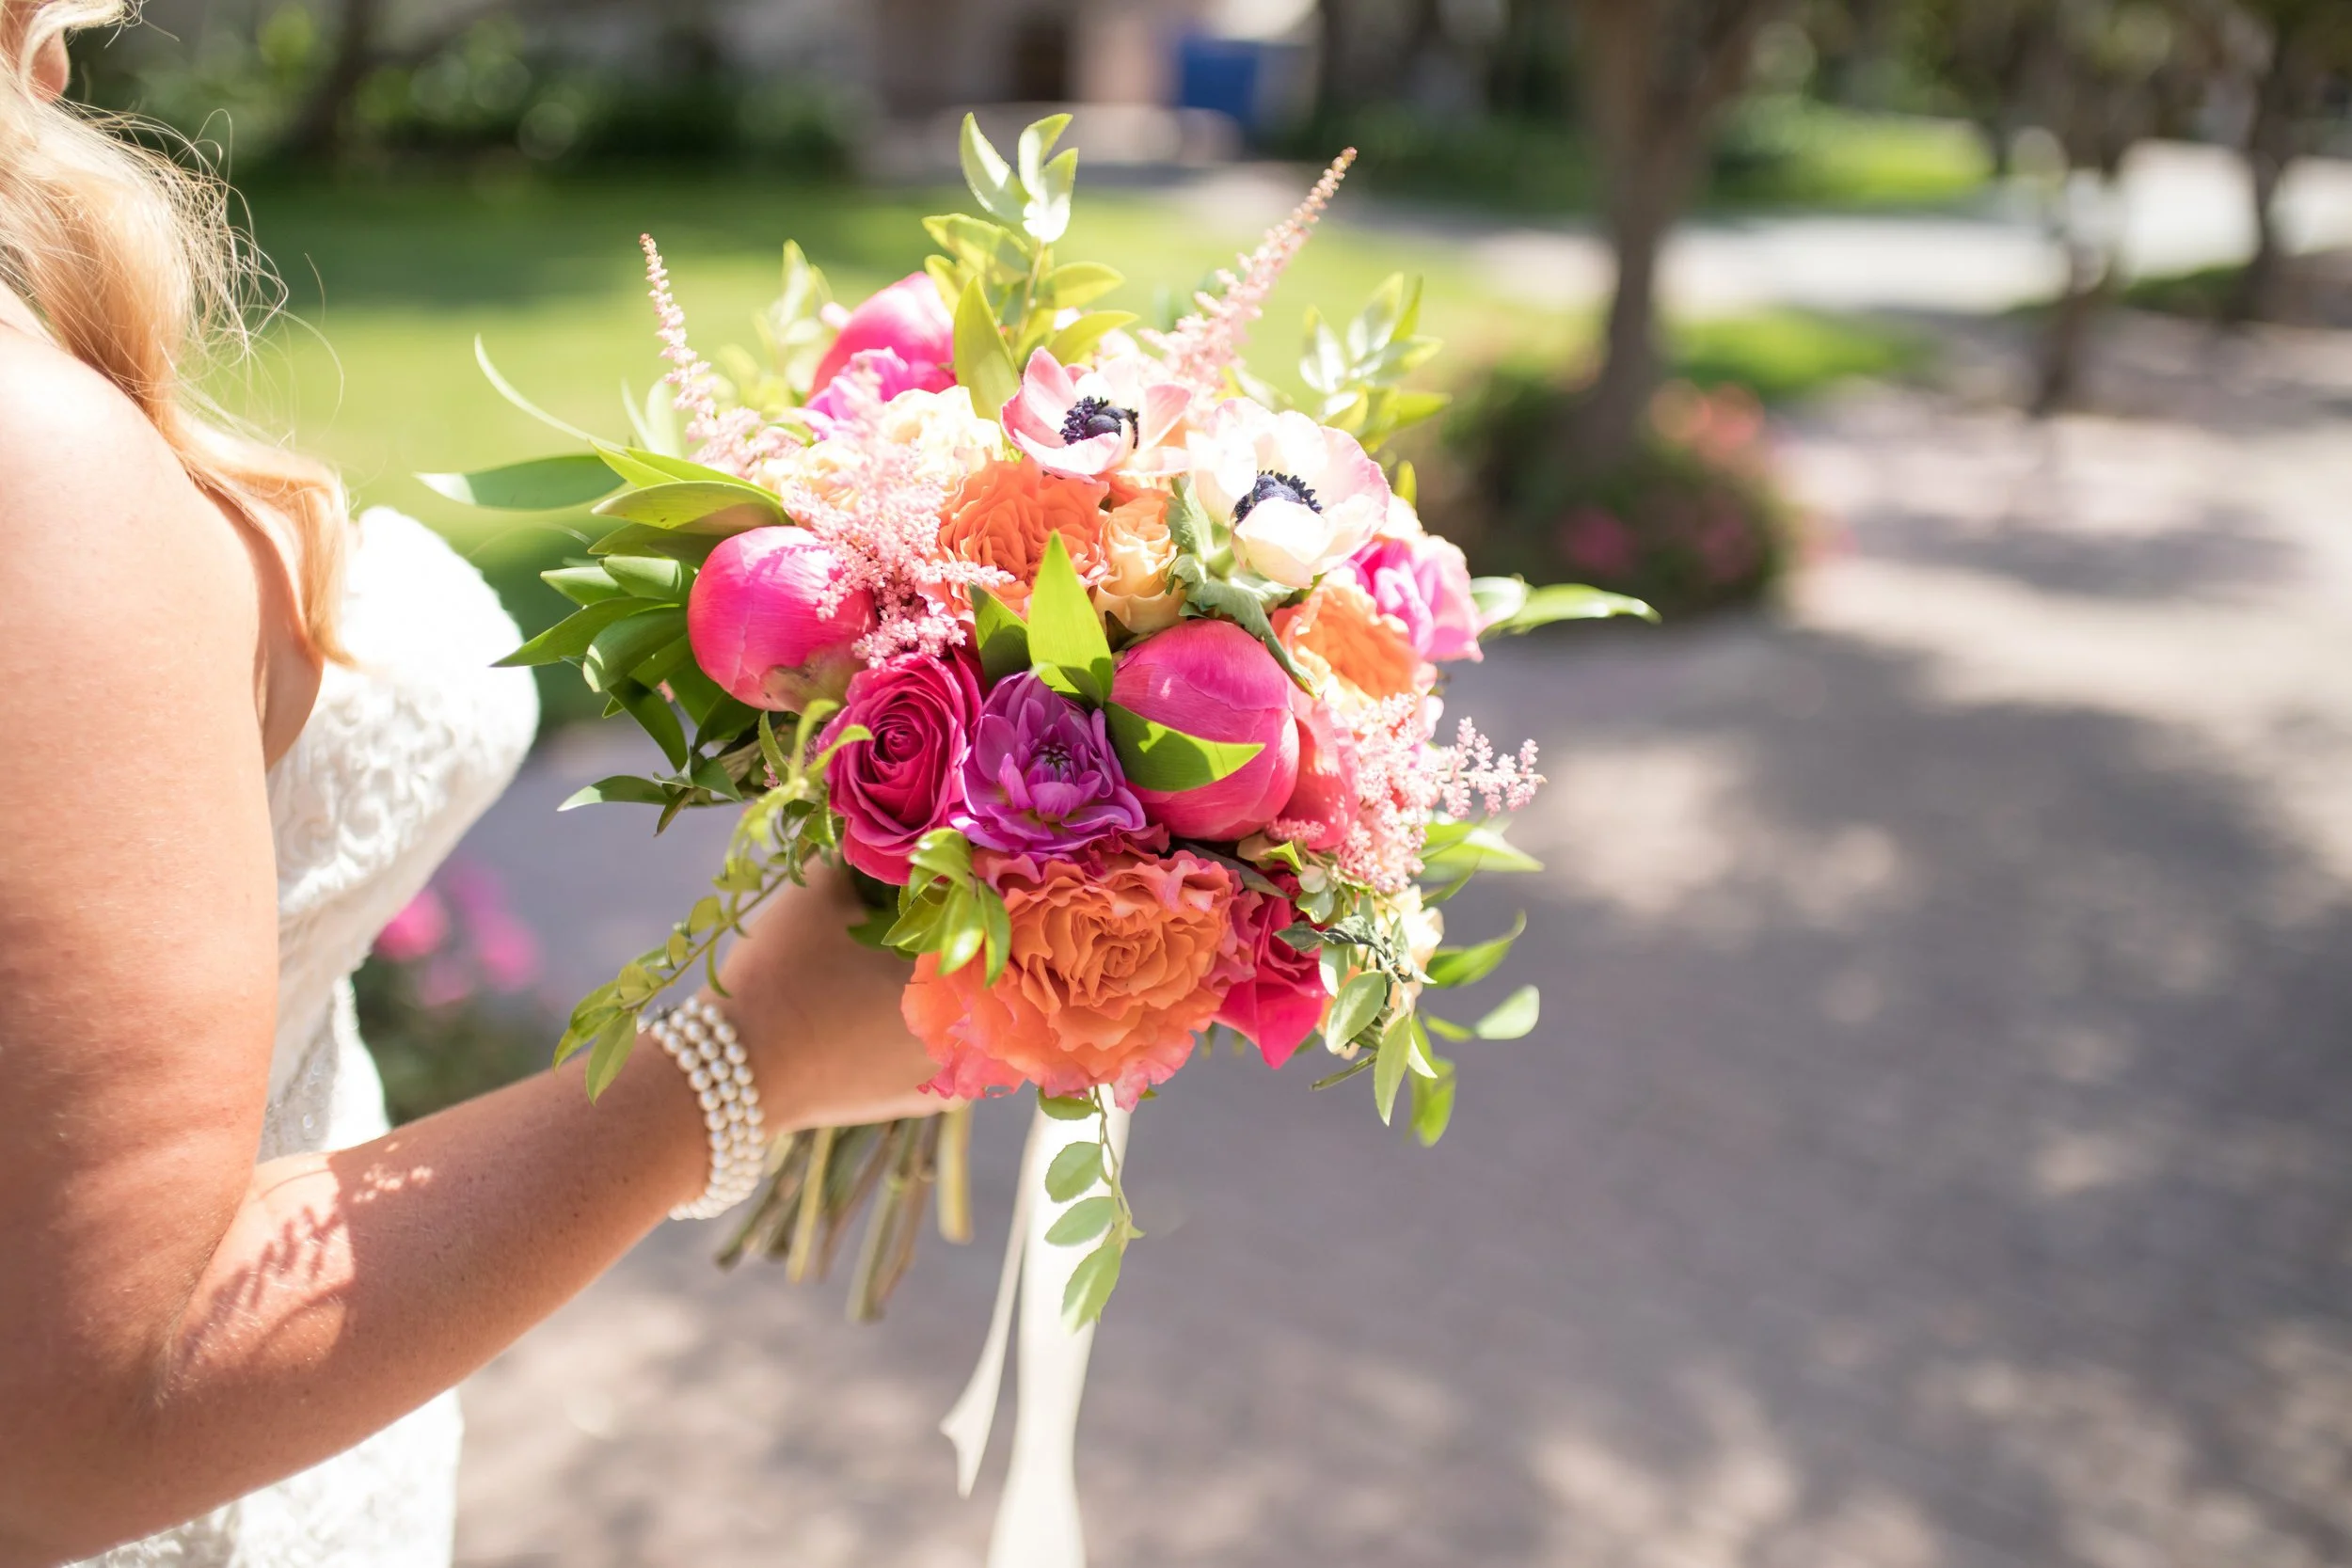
{"x":389,"y":283}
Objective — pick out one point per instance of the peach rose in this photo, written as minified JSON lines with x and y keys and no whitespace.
{"x":1137,"y":550}
{"x":1348,"y":633}
{"x":1116,"y":960}
{"x":1003,"y":513}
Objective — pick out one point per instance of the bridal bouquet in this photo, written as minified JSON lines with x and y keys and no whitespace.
{"x":1109,"y":668}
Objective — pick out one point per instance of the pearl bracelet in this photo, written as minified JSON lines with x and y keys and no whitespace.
{"x":698,"y":1037}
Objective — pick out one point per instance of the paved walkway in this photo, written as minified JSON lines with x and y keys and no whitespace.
{"x":2181,"y":207}
{"x":1937,"y":1152}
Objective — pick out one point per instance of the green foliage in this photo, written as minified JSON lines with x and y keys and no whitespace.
{"x":1067,"y":647}
{"x":1084,"y":1177}
{"x":542,"y":485}
{"x":946,"y":909}
{"x":1156,"y":757}
{"x":1357,"y":375}
{"x":1786,"y":355}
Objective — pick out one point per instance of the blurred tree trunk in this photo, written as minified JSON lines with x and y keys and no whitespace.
{"x":323,"y":122}
{"x":1657,"y":76}
{"x":2307,"y":39}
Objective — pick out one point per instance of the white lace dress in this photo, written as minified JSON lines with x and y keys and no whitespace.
{"x":406,"y":747}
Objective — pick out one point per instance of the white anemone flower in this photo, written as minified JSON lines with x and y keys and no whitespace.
{"x":1301,"y":497}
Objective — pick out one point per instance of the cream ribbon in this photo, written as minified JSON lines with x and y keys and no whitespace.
{"x":1037,"y":1522}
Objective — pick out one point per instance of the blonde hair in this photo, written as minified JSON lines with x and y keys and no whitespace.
{"x":130,"y":258}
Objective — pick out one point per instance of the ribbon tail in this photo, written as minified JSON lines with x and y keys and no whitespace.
{"x":1037,"y":1522}
{"x":968,"y":1424}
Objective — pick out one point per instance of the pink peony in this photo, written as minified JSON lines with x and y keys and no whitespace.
{"x":1282,"y":1000}
{"x":1085,"y":425}
{"x":906,"y":779}
{"x":889,"y":375}
{"x":1323,"y":805}
{"x":907,"y":318}
{"x":757,"y":624}
{"x":1425,"y":582}
{"x":1212,"y":679}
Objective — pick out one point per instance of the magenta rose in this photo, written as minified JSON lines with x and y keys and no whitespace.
{"x":1282,"y":1001}
{"x":908,"y":318}
{"x":906,"y":779}
{"x":1212,"y":679}
{"x":1424,"y":583}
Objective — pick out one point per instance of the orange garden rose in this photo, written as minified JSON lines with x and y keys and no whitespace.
{"x":1114,"y":963}
{"x":1003,"y":514}
{"x":1348,"y":634}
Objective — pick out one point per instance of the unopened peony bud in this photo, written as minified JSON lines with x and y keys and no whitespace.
{"x":757,"y":623}
{"x":908,"y":318}
{"x":1212,"y":679}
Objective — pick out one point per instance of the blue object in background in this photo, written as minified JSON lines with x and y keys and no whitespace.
{"x":1221,"y":75}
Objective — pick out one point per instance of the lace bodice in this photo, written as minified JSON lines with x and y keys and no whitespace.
{"x":406,"y":746}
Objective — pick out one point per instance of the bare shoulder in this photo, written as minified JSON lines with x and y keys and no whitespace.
{"x":97,"y":517}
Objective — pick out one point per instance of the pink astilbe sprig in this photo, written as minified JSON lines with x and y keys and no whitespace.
{"x":1397,"y":788}
{"x":1469,"y":768}
{"x":884,"y":528}
{"x":1197,"y":350}
{"x":1403,"y":783}
{"x":733,"y":441}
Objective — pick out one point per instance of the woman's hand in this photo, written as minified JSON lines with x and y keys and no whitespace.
{"x":819,"y":1011}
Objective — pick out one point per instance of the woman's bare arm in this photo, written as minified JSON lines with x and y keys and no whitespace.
{"x":177,"y":1327}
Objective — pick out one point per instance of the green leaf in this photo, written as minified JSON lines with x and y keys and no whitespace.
{"x":1075,"y":1170}
{"x":1457,"y":848}
{"x":506,"y":389}
{"x":983,"y":363}
{"x":961,"y":931}
{"x":988,"y":251}
{"x":1465,"y":966}
{"x":1358,"y":1004}
{"x":1091,"y":1284}
{"x":998,"y":926}
{"x":985,"y":171}
{"x":1073,"y":342}
{"x":1443,"y":1028}
{"x":609,"y":1053}
{"x":582,"y":584}
{"x":1566,"y":601}
{"x":654,"y":419}
{"x":1066,"y":1107}
{"x":943,"y":853}
{"x":703,"y":505}
{"x":917,"y":926}
{"x":1418,"y":1060}
{"x":626,"y":787}
{"x":1433,"y":1104}
{"x":570,"y":637}
{"x":656,"y":717}
{"x":638,"y":539}
{"x":1002,"y":636}
{"x":1079,"y":283}
{"x":1082,"y":1221}
{"x":542,"y":485}
{"x":1037,"y":141}
{"x":1065,"y":633}
{"x":646,"y":577}
{"x":1156,"y":757}
{"x":1388,"y":1068}
{"x":1497,"y":598}
{"x":643,"y":467}
{"x":1514,"y":1019}
{"x":1187,"y":525}
{"x":616,"y":653}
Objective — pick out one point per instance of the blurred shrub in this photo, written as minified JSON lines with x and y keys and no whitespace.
{"x":447,"y":1000}
{"x":1776,"y":149}
{"x":1785,"y":354}
{"x":490,"y":91}
{"x":1694,"y":520}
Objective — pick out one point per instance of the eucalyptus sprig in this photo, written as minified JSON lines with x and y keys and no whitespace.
{"x":999,"y":272}
{"x":773,"y":841}
{"x":1086,"y":1178}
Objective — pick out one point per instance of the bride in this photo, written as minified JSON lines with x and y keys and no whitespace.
{"x":240,"y":730}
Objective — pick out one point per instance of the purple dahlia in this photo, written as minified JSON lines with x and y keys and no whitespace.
{"x":1041,"y":775}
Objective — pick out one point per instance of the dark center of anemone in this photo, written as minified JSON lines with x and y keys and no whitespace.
{"x":1091,"y":416}
{"x":1272,"y":486}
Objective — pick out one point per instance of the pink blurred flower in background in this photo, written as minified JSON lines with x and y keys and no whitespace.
{"x":1595,"y":541}
{"x":418,"y":930}
{"x":464,"y":934}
